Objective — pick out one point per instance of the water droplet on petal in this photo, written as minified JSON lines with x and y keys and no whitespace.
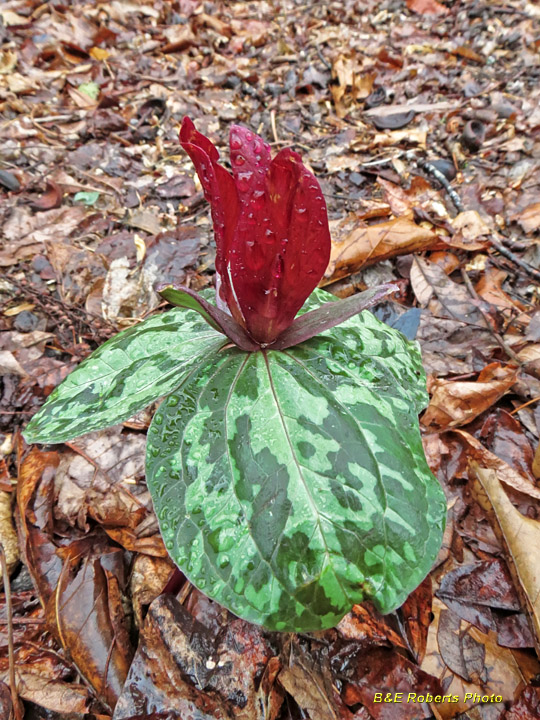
{"x":269,"y":237}
{"x":236,"y":143}
{"x":239,"y":160}
{"x":277,"y":270}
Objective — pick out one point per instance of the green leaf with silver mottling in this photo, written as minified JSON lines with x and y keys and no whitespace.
{"x":124,"y":375}
{"x":290,"y":485}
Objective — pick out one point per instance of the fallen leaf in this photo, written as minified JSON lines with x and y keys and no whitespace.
{"x":506,"y":474}
{"x":88,"y":616}
{"x":26,"y":233}
{"x":519,"y":534}
{"x":457,"y":402}
{"x":145,"y":220}
{"x":310,"y":685}
{"x":368,"y":245}
{"x":49,"y":692}
{"x":427,"y":7}
{"x":450,"y":346}
{"x":471,"y":232}
{"x":489,"y":287}
{"x":502,"y":668}
{"x":183,"y":666}
{"x":416,"y":614}
{"x":147,"y":580}
{"x":445,"y":298}
{"x":386,"y":671}
{"x":468,"y":53}
{"x":527,"y":706}
{"x":529,"y":218}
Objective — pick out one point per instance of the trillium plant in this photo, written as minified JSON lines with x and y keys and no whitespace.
{"x":284,"y":461}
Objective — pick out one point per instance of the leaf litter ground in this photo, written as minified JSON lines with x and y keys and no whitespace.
{"x":396,"y":107}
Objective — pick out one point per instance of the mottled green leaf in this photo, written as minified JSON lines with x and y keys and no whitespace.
{"x":291,"y":484}
{"x":124,"y":375}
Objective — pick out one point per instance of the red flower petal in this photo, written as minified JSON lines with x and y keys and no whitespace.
{"x":220,"y":191}
{"x":279,"y":261}
{"x":271,"y":228}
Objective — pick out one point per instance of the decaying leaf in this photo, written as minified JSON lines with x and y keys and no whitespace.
{"x":367,"y":245}
{"x":183,"y":666}
{"x":519,"y":535}
{"x":490,"y":668}
{"x":457,"y":402}
{"x":505,"y":473}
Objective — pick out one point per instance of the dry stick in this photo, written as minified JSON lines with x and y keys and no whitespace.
{"x":529,"y":402}
{"x":273,"y":123}
{"x":454,"y":197}
{"x":438,"y":175}
{"x":9,"y":613}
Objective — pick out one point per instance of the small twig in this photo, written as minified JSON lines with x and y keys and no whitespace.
{"x":11,"y":654}
{"x":533,"y":272}
{"x":456,"y":200}
{"x":321,"y":56}
{"x":438,"y":175}
{"x":273,"y":123}
{"x":184,"y":592}
{"x":529,"y":402}
{"x":472,"y":292}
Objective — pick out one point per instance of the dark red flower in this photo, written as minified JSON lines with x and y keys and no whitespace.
{"x":270,"y":225}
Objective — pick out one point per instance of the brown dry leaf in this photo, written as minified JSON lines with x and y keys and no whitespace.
{"x":197,"y":671}
{"x":51,"y":693}
{"x":457,"y":402}
{"x":145,"y":220}
{"x":471,"y":232}
{"x":364,"y":625}
{"x":505,"y":472}
{"x":26,"y":233}
{"x":530,"y":357}
{"x":519,"y":535}
{"x":88,"y":615}
{"x":489,"y":287}
{"x":449,"y":346}
{"x":80,"y":584}
{"x":445,"y":298}
{"x":416,"y":613}
{"x":468,"y":53}
{"x":6,"y":705}
{"x":503,"y":670}
{"x":35,"y":490}
{"x":350,"y":83}
{"x":9,"y":365}
{"x":125,"y":294}
{"x":427,"y":7}
{"x":529,"y":218}
{"x":147,"y":580}
{"x":8,"y":536}
{"x":368,"y":245}
{"x":396,"y":197}
{"x":101,"y":476}
{"x":311,"y":685}
{"x":387,"y":671}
